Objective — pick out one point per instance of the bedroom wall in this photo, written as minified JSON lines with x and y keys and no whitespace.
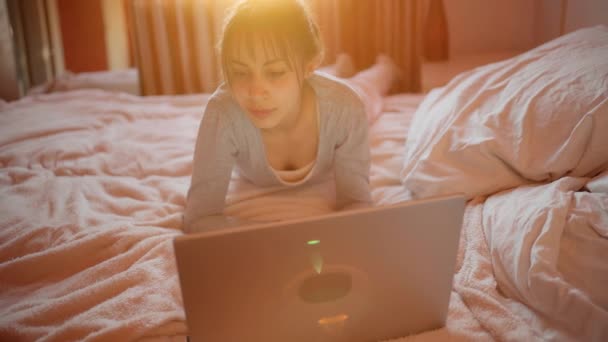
{"x":548,"y":19}
{"x":83,"y":35}
{"x":95,"y":38}
{"x":478,"y":26}
{"x":583,"y":13}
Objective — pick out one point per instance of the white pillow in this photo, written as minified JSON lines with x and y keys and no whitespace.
{"x":533,"y":118}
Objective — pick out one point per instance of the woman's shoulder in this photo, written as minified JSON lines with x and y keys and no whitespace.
{"x":222,"y":113}
{"x":337,"y":100}
{"x":222,"y":106}
{"x":334,"y":90}
{"x":221,"y":99}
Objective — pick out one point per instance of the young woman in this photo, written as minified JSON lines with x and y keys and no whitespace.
{"x":276,"y":119}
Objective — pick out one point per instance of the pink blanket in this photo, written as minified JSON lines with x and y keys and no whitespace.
{"x":92,"y":189}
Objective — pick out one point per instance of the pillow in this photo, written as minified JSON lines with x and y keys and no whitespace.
{"x":533,"y":118}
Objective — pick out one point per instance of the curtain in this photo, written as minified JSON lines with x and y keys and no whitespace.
{"x":31,"y":44}
{"x":365,"y":28}
{"x":174,"y":40}
{"x":174,"y":44}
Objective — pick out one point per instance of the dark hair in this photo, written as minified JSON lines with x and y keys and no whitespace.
{"x":285,"y":27}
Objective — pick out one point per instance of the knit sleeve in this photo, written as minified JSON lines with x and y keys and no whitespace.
{"x":214,"y":158}
{"x":352,"y":161}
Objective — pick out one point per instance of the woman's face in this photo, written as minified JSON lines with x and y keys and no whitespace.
{"x":265,"y":86}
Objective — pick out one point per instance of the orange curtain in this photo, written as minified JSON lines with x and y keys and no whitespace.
{"x":174,"y":44}
{"x":366,"y":28}
{"x":174,"y":40}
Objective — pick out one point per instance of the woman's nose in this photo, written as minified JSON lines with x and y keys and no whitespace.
{"x":256,"y":88}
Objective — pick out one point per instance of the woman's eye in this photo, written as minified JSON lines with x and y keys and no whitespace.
{"x":238,"y":73}
{"x":276,"y":74}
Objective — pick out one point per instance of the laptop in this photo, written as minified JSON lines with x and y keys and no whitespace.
{"x":363,"y":275}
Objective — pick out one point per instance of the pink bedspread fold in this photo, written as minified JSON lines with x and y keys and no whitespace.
{"x":92,"y":189}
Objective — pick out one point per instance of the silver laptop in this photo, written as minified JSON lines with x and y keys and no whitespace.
{"x":365,"y":275}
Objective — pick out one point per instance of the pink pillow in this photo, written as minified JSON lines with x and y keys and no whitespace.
{"x":533,"y":118}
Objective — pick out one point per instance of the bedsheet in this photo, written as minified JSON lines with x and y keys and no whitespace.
{"x":92,"y":190}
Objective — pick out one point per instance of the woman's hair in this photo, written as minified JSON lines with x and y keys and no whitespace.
{"x":284,"y":27}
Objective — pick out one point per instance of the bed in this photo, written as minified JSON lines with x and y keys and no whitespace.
{"x":93,"y":184}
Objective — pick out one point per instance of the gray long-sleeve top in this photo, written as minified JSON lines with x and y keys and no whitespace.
{"x":227,"y":138}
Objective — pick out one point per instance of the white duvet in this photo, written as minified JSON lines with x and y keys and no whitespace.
{"x":533,"y":118}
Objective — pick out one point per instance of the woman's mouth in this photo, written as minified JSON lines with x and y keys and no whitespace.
{"x":261,"y":113}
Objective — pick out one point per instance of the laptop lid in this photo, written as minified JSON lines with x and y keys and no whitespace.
{"x":365,"y":275}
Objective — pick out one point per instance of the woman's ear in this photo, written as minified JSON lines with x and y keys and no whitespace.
{"x":312,"y":65}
